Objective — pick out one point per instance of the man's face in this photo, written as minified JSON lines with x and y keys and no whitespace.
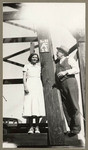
{"x":59,"y":54}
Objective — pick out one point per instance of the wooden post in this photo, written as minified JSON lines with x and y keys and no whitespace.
{"x":32,"y":47}
{"x":53,"y":112}
{"x":81,"y":57}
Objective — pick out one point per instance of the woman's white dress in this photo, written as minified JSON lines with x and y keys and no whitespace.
{"x":34,"y":100}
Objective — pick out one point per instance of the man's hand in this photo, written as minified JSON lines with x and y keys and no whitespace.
{"x":61,"y":74}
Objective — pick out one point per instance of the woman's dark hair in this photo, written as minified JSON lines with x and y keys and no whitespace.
{"x":31,"y":55}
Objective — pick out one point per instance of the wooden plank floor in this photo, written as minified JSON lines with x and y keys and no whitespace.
{"x":19,"y":136}
{"x":73,"y":141}
{"x":25,"y":139}
{"x":39,"y":140}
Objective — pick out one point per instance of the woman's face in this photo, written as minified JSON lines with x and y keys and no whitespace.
{"x":34,"y":59}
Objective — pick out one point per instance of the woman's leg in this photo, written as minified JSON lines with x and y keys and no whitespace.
{"x":37,"y":121}
{"x":30,"y":121}
{"x":37,"y":125}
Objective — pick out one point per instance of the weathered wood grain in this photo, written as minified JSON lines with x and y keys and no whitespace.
{"x":53,"y":112}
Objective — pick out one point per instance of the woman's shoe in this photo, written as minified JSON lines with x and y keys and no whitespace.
{"x":37,"y":130}
{"x":31,"y":130}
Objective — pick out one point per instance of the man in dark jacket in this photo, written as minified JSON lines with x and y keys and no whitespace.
{"x":66,"y":68}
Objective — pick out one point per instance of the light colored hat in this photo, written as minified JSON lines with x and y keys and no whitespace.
{"x":62,"y":49}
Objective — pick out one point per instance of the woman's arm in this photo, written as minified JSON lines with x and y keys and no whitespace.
{"x":25,"y":83}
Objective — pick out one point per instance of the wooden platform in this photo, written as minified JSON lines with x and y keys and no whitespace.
{"x":39,"y":140}
{"x":19,"y":135}
{"x":25,"y":139}
{"x":73,"y":141}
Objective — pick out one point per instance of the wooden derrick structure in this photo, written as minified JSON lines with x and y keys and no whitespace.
{"x":55,"y":135}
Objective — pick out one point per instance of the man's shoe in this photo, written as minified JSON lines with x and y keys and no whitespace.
{"x":31,"y":130}
{"x":66,"y":133}
{"x":72,"y":133}
{"x":37,"y":130}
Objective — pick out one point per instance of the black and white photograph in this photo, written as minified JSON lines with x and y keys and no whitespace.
{"x":44,"y":75}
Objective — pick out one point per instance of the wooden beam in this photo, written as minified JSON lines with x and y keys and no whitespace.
{"x":20,"y":39}
{"x":32,"y":46}
{"x":73,"y":48}
{"x":81,"y":58}
{"x":14,"y":63}
{"x":13,"y":81}
{"x":19,"y":25}
{"x":82,"y":39}
{"x":53,"y":112}
{"x":13,"y":5}
{"x":18,"y":53}
{"x":12,"y":15}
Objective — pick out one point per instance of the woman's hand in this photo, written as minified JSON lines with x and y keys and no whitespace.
{"x":61,"y":74}
{"x":26,"y":90}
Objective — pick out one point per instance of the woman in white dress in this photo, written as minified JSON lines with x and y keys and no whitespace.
{"x":34,"y":106}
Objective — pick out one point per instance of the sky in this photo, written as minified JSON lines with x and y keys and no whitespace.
{"x":70,"y":15}
{"x":64,"y":21}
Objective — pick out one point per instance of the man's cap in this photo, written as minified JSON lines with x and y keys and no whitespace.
{"x":62,"y":49}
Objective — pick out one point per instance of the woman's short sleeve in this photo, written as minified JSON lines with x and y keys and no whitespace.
{"x":24,"y":68}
